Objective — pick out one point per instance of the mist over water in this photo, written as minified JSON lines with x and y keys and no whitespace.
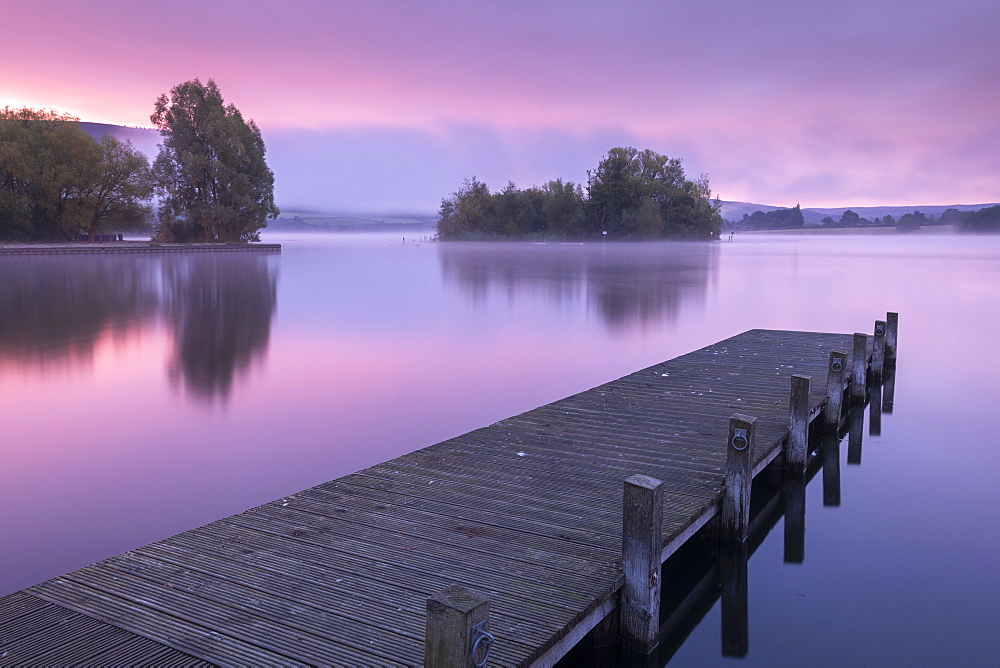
{"x":148,"y":395}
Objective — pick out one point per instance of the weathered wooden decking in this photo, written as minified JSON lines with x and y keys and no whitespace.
{"x":527,"y":511}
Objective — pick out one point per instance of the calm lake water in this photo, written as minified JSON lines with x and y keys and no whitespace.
{"x":143,"y":396}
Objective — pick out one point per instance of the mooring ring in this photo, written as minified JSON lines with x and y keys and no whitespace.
{"x":740,"y":440}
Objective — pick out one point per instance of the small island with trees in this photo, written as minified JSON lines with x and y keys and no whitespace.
{"x":210,"y":179}
{"x":632,"y":194}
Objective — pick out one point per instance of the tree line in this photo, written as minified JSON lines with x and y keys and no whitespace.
{"x":632,"y":194}
{"x":56,"y":182}
{"x":779,"y":219}
{"x":210,"y":180}
{"x":983,"y":220}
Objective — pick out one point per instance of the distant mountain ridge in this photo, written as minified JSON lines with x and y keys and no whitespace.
{"x":147,"y":139}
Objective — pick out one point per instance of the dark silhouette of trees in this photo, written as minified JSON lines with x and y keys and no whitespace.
{"x":779,"y":219}
{"x":213,"y":181}
{"x":986,"y":219}
{"x":631,"y":194}
{"x":56,"y":182}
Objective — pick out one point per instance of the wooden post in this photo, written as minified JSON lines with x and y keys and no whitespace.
{"x":831,"y":468}
{"x":878,"y":349}
{"x":859,"y":364}
{"x":891,"y":330}
{"x":798,"y":423}
{"x":642,"y":541}
{"x":735,"y":598}
{"x":739,"y":477}
{"x":795,"y":517}
{"x":457,"y":633}
{"x":835,"y":388}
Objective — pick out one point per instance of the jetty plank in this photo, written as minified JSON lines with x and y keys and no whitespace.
{"x":36,"y":632}
{"x":526,"y":511}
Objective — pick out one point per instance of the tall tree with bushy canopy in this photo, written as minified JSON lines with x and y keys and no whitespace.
{"x":211,"y":175}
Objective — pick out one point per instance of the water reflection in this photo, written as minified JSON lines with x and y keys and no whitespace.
{"x":625,"y":284}
{"x":220,"y":309}
{"x":735,"y":598}
{"x":707,"y":571}
{"x":54,"y":310}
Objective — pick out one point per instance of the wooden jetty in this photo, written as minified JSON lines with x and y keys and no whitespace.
{"x":503,"y":546}
{"x":133,"y":247}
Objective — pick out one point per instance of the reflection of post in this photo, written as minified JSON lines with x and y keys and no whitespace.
{"x":795,"y":518}
{"x":735,"y":608}
{"x":854,"y":440}
{"x":888,"y":386}
{"x":859,"y":362}
{"x":831,"y":468}
{"x":875,"y":406}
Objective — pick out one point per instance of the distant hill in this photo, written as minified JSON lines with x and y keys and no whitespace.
{"x":144,"y":139}
{"x":734,"y":210}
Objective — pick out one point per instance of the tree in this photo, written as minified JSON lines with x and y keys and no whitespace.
{"x":466,"y":212}
{"x":850,"y":219}
{"x":56,"y":181}
{"x":777,"y":219}
{"x":984,"y":220}
{"x":910,"y":222}
{"x":211,"y":175}
{"x":626,"y":178}
{"x":632,"y":194}
{"x":115,"y":188}
{"x":563,"y":208}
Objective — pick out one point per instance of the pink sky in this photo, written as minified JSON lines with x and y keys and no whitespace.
{"x":827,"y":104}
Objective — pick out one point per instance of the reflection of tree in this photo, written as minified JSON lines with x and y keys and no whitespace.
{"x":54,"y":308}
{"x":220,"y":307}
{"x":627,"y":284}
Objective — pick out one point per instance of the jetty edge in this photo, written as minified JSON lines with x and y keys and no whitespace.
{"x":503,"y":546}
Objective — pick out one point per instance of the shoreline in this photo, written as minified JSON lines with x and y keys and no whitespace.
{"x":116,"y":247}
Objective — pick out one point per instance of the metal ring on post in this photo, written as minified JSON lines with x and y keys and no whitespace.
{"x":879,"y":330}
{"x":740,"y":441}
{"x":481,"y":640}
{"x":837,"y":365}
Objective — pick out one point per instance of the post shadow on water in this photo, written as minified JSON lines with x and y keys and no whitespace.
{"x":626,"y":284}
{"x":706,"y":570}
{"x":218,"y":307}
